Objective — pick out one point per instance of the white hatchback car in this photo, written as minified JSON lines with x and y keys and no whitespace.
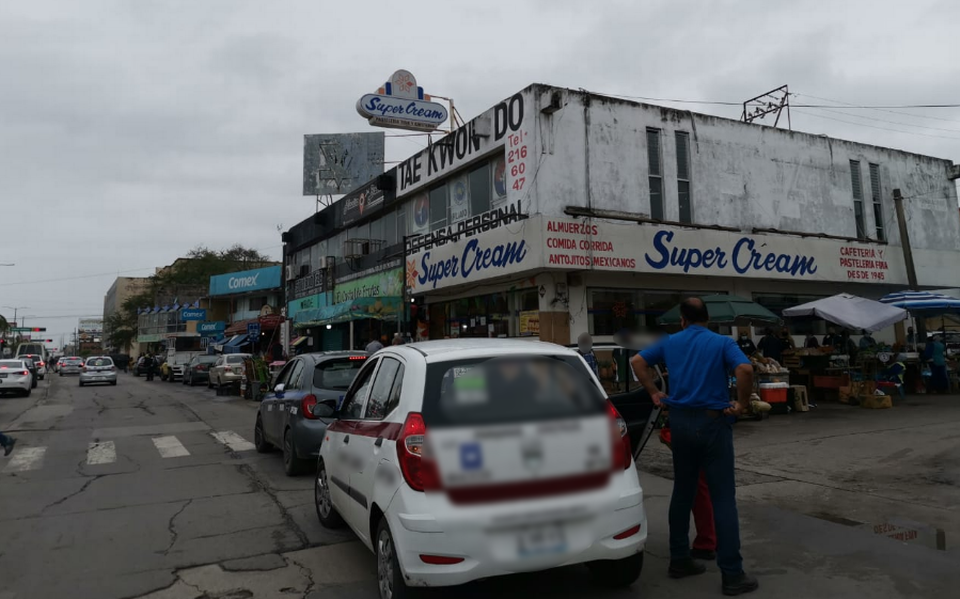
{"x":465,"y":459}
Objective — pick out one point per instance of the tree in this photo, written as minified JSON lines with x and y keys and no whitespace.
{"x":201,"y":263}
{"x":121,"y":326}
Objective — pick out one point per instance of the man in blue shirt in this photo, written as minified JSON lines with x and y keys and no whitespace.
{"x":699,"y":362}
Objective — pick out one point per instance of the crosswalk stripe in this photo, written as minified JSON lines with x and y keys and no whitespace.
{"x":233,"y":440}
{"x":28,"y":458}
{"x":170,"y":447}
{"x":103,"y":452}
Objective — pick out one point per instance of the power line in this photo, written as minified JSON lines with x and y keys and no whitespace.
{"x":910,"y":114}
{"x":727,"y":103}
{"x":830,"y":118}
{"x":870,"y":118}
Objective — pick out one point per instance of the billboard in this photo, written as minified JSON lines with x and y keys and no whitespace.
{"x":91,"y":325}
{"x":335,"y":163}
{"x":258,"y":279}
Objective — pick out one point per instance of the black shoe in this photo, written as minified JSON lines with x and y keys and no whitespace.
{"x":9,"y":447}
{"x":706,"y":555}
{"x":681,"y":568}
{"x":738,"y":584}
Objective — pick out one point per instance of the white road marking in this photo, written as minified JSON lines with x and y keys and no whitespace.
{"x":170,"y":447}
{"x":28,"y":458}
{"x":104,"y":452}
{"x":233,"y":440}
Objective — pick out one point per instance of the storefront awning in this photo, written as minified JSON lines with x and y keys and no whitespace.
{"x":380,"y":308}
{"x":233,"y":346}
{"x":267,"y":323}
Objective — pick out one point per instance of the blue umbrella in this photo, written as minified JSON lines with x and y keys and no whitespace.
{"x":923,"y":303}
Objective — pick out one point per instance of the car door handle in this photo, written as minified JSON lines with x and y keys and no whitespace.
{"x":346,"y":438}
{"x":378,"y":442}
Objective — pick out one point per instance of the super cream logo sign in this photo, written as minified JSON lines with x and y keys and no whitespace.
{"x":401,"y":104}
{"x":746,"y":255}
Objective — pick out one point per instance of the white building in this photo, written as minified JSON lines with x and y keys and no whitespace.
{"x":558,"y":212}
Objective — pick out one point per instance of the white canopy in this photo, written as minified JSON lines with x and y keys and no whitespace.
{"x":850,"y":311}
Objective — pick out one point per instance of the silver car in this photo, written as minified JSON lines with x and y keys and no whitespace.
{"x":71,"y":365}
{"x":227,"y":370}
{"x":98,"y":369}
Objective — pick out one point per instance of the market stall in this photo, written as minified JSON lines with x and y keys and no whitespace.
{"x":925,"y":305}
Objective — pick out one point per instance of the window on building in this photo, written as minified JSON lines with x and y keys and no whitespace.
{"x":376,"y":229}
{"x":611,"y":310}
{"x":655,"y":172}
{"x":390,"y":229}
{"x":480,"y":189}
{"x":258,"y":302}
{"x":438,"y":208}
{"x":857,"y":185}
{"x":877,"y":204}
{"x":683,"y":177}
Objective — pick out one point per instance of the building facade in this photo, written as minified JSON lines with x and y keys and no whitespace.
{"x":244,"y":302}
{"x":122,"y":289}
{"x":559,"y":212}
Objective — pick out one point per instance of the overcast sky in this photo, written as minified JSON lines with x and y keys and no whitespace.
{"x":131,"y":132}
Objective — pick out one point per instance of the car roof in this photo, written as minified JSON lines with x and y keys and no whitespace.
{"x":326,"y":355}
{"x":464,"y":349}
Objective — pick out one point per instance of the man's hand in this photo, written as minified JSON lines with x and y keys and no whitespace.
{"x":735,"y":409}
{"x":658,"y":398}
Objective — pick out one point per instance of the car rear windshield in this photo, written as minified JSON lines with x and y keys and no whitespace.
{"x":337,"y":374}
{"x":509,"y":390}
{"x":235,"y":360}
{"x":207,"y":359}
{"x":73,"y":361}
{"x":11,"y":364}
{"x":99,"y":362}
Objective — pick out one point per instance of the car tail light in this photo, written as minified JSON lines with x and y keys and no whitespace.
{"x":306,"y":406}
{"x":627,"y":533}
{"x":41,"y":364}
{"x":25,"y":372}
{"x":420,"y":473}
{"x":621,"y":440}
{"x":440,"y":560}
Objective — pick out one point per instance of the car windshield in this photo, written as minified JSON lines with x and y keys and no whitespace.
{"x":509,"y":390}
{"x":338,"y":373}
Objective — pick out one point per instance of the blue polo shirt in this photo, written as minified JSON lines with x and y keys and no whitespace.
{"x":700,"y":362}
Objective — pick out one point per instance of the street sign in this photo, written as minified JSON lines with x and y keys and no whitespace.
{"x":28,"y":329}
{"x":253,"y":329}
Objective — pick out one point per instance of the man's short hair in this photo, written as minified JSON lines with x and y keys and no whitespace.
{"x":694,"y":310}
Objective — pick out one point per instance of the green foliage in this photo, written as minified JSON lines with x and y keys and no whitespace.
{"x":201,"y":263}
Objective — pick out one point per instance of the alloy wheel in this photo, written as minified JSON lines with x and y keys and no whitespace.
{"x":385,"y":564}
{"x":322,"y":493}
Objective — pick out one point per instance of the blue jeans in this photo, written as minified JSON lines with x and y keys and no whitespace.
{"x":701,"y":440}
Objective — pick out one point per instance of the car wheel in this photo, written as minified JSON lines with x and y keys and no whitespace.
{"x":389,"y":577}
{"x":114,"y":383}
{"x":292,"y":465}
{"x":209,"y":383}
{"x":326,"y":513}
{"x":81,"y":383}
{"x":616,"y":573}
{"x":27,"y":392}
{"x":259,"y":439}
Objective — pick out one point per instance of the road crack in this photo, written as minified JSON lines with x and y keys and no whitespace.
{"x":171,"y":528}
{"x":288,"y":520}
{"x":74,"y":494}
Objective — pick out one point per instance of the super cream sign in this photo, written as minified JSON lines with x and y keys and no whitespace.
{"x":579,"y":244}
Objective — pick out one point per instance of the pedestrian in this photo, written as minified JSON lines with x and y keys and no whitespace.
{"x":771,"y":346}
{"x":811,"y":342}
{"x":867,"y":340}
{"x":938,"y":366}
{"x":831,"y":339}
{"x":787,"y":339}
{"x":746,"y":343}
{"x":911,"y":338}
{"x":374,"y":345}
{"x":150,"y":364}
{"x":701,"y":415}
{"x":7,"y":444}
{"x":585,"y":349}
{"x":705,"y":543}
{"x":397,"y":339}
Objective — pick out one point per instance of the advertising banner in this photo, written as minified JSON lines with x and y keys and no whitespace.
{"x":384,"y":284}
{"x":211,"y":329}
{"x":257,"y":279}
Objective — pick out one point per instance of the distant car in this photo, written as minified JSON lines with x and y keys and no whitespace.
{"x":285,"y":418}
{"x":227,"y":370}
{"x":172,"y":368}
{"x":197,"y":370}
{"x":38,"y":360}
{"x":70,"y":365}
{"x":16,"y":377}
{"x":98,"y":369}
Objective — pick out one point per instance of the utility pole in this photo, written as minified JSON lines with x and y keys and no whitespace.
{"x":908,"y":257}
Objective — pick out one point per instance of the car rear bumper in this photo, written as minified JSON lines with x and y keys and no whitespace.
{"x":308,"y":436}
{"x":487,"y":536}
{"x":16,"y":384}
{"x":69,"y":370}
{"x":98,"y":377}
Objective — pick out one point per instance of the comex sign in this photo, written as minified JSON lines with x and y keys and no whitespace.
{"x":401,"y":104}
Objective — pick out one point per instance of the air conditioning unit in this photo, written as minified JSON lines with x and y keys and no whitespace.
{"x":290,"y":273}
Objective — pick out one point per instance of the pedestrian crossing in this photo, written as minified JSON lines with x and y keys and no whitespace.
{"x":26,"y":458}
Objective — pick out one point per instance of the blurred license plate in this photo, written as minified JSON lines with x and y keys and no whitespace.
{"x":3,"y":375}
{"x":541,"y":540}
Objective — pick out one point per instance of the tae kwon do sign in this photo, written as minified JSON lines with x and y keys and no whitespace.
{"x":401,"y":104}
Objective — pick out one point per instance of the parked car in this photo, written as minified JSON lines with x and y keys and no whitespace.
{"x":140,"y":368}
{"x":98,"y":369}
{"x":38,"y":360}
{"x":15,"y":377}
{"x":433,"y":453}
{"x":227,"y":370}
{"x":285,"y":418}
{"x":70,"y":365}
{"x":198,"y":370}
{"x":172,"y":368}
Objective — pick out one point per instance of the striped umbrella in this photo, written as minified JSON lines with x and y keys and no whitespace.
{"x":923,"y":303}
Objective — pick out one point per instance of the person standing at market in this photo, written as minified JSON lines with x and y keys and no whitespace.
{"x":867,"y":340}
{"x":745,"y":343}
{"x":811,"y":342}
{"x":911,"y":338}
{"x":771,"y":346}
{"x":585,"y":349}
{"x":831,"y":339}
{"x":699,"y":362}
{"x":938,"y":366}
{"x":787,"y":339}
{"x":374,"y":346}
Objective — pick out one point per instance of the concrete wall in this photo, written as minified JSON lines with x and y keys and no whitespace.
{"x":742,"y":175}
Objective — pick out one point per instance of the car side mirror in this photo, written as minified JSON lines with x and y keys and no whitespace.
{"x":323,"y":410}
{"x":278,"y":388}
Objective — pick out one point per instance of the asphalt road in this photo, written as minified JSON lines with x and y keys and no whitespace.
{"x":154,"y":490}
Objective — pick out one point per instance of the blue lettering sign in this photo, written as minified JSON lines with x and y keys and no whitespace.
{"x":745,"y":257}
{"x":193,"y":314}
{"x":474,"y":259}
{"x":209,"y":329}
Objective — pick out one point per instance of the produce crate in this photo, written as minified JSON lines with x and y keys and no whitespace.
{"x":831,"y":382}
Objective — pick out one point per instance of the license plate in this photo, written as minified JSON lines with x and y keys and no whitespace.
{"x":3,"y":375}
{"x":541,"y":540}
